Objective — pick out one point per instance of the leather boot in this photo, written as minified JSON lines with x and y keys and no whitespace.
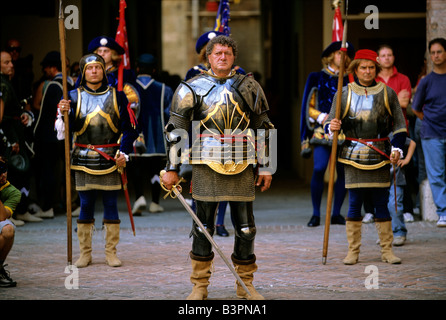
{"x":111,"y":241}
{"x":245,"y":269}
{"x":201,"y":272}
{"x":385,"y":234}
{"x":353,"y":231}
{"x":84,"y":233}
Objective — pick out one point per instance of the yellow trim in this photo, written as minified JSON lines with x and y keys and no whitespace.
{"x":363,"y":166}
{"x":94,"y":172}
{"x":98,"y":187}
{"x":386,"y":101}
{"x":5,"y":185}
{"x":349,"y":101}
{"x":91,"y":115}
{"x":367,"y":185}
{"x":223,"y":198}
{"x":361,"y":91}
{"x":400,"y":130}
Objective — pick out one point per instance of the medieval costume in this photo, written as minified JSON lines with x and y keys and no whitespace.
{"x":368,"y":114}
{"x":318,"y":95}
{"x":227,"y":115}
{"x":101,"y":127}
{"x":150,"y":148}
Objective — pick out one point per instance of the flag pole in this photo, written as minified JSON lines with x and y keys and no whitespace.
{"x":67,"y":132}
{"x":334,"y":145}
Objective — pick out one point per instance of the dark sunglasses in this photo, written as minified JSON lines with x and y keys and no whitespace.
{"x":11,"y":49}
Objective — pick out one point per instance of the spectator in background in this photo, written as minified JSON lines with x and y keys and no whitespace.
{"x":429,"y":104}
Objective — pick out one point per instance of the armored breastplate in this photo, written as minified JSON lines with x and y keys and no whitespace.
{"x":367,"y":117}
{"x":98,"y":124}
{"x":221,"y":134}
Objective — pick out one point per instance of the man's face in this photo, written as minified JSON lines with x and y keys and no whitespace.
{"x":366,"y":72}
{"x":94,"y":73}
{"x":438,"y":54}
{"x":14,"y":49}
{"x":3,"y":178}
{"x":221,"y":60}
{"x":105,"y":53}
{"x":337,"y":59}
{"x":386,"y":58}
{"x":6,"y":64}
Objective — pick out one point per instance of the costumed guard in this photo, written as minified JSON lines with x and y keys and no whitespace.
{"x":150,"y":147}
{"x":223,"y":106}
{"x":103,"y":135}
{"x":370,"y":111}
{"x":318,"y":95}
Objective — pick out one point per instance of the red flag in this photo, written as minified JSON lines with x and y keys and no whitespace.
{"x":338,"y":28}
{"x":121,"y":39}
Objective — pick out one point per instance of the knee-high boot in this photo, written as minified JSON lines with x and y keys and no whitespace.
{"x":111,"y":241}
{"x":245,"y":269}
{"x":84,"y":233}
{"x":353,"y":231}
{"x":385,"y":234}
{"x":201,"y":272}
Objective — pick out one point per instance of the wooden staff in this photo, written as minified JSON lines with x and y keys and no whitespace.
{"x":334,"y":146}
{"x":67,"y":131}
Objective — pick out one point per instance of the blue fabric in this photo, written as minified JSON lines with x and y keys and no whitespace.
{"x":326,"y":84}
{"x":154,"y":112}
{"x":398,"y":224}
{"x":88,"y":201}
{"x":435,"y":160}
{"x":379,"y":198}
{"x":321,"y":158}
{"x":430,"y":98}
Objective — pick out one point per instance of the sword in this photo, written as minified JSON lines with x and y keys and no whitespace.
{"x":127,"y":198}
{"x":176,"y":189}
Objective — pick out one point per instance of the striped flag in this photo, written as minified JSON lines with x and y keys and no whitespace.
{"x":338,"y":28}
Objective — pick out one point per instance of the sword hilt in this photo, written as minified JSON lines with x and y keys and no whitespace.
{"x":176,"y":186}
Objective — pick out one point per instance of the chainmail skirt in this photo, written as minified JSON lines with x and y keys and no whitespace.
{"x":85,"y":181}
{"x":208,"y":185}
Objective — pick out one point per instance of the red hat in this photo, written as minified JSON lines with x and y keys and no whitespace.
{"x":367,"y":54}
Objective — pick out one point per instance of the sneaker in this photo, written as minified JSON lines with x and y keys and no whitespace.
{"x":368,"y":218}
{"x":5,"y":280}
{"x":408,"y":217}
{"x":34,"y":208}
{"x":28,"y":217}
{"x":45,"y":214}
{"x":441,"y":222}
{"x":139,"y":205}
{"x":76,"y":212}
{"x":155,"y":207}
{"x":17,"y":223}
{"x":399,"y":241}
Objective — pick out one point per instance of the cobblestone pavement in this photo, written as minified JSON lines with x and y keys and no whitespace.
{"x":289,"y":255}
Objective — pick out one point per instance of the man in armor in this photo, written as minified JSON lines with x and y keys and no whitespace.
{"x":102,"y":136}
{"x":225,"y":108}
{"x":318,"y":95}
{"x":370,"y":111}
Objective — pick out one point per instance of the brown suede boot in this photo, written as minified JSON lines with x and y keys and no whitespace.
{"x":84,"y":233}
{"x":245,"y":269}
{"x":111,"y":241}
{"x":201,"y":272}
{"x":353,"y":231}
{"x":385,"y":234}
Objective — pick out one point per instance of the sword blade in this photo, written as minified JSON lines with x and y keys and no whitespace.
{"x":209,"y":237}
